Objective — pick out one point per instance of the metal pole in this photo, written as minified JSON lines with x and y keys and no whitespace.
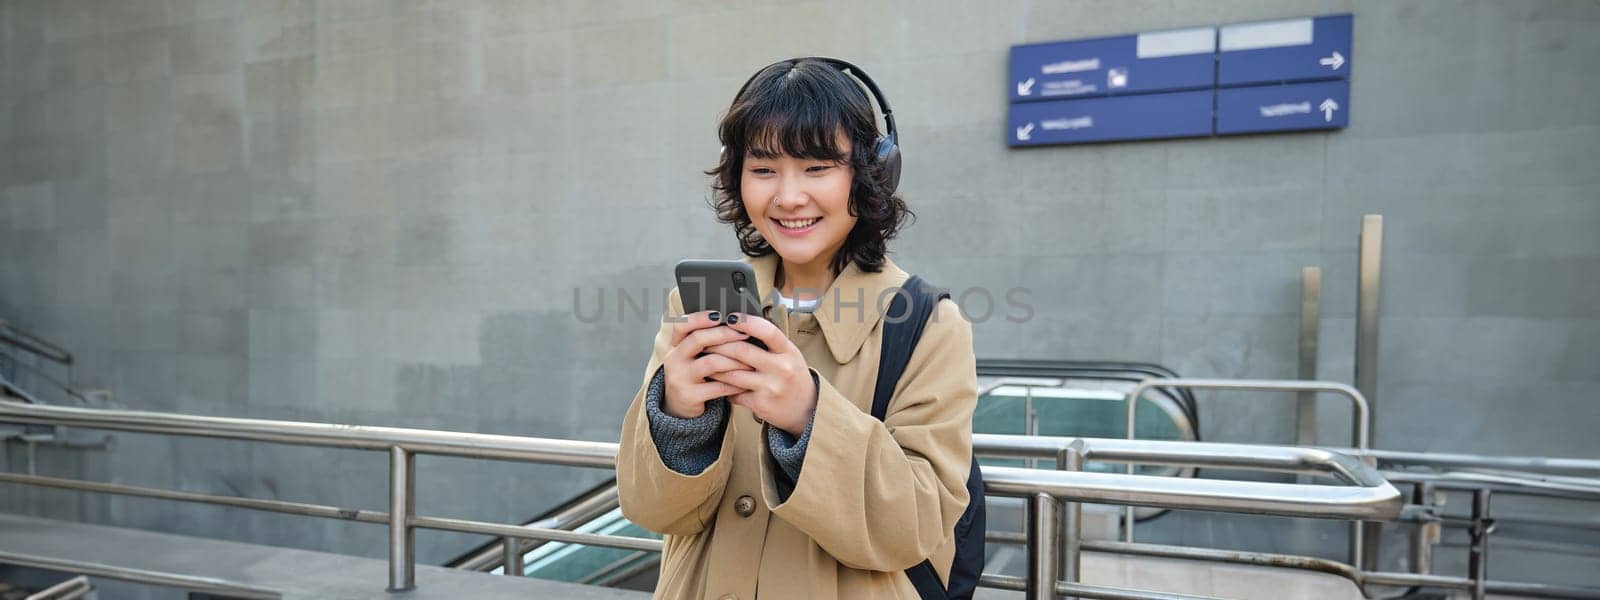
{"x":511,"y":549}
{"x":1368,"y":285}
{"x":1369,"y":270}
{"x":1482,"y":525}
{"x":402,"y":506}
{"x":1042,"y":546}
{"x":1071,"y":459}
{"x":1306,"y":408}
{"x":1030,"y":423}
{"x":1423,"y":535}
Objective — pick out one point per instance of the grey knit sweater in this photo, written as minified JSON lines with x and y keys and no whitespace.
{"x":688,"y":446}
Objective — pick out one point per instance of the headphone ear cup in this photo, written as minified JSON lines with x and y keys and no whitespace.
{"x":889,"y":156}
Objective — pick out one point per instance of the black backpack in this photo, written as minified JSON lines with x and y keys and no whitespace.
{"x":902,"y":327}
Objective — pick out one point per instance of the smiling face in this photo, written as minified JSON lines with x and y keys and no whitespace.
{"x":801,"y":206}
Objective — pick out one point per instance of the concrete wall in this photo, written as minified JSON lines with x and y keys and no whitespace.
{"x":377,"y":212}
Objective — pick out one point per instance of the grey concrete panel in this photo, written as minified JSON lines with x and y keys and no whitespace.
{"x":282,"y":333}
{"x":282,"y":383}
{"x":212,"y":384}
{"x":140,"y":151}
{"x":84,"y":269}
{"x":439,"y":69}
{"x":137,"y":104}
{"x":1221,"y":284}
{"x":206,"y":148}
{"x":207,"y":333}
{"x":293,"y":286}
{"x":280,"y":88}
{"x":82,"y":204}
{"x":142,"y":54}
{"x":271,"y":30}
{"x":1549,"y":288}
{"x":1284,"y":217}
{"x":353,"y":133}
{"x":359,"y":79}
{"x":284,"y":242}
{"x":31,"y":206}
{"x":205,"y":47}
{"x":76,"y":63}
{"x":147,"y":379}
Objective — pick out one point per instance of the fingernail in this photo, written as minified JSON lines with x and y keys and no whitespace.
{"x":733,"y":318}
{"x":715,"y":316}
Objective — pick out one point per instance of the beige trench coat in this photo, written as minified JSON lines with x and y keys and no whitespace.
{"x":873,"y":498}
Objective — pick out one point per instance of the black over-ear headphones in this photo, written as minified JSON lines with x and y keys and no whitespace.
{"x":888,"y":147}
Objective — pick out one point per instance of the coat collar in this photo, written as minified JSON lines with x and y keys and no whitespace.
{"x":851,"y":307}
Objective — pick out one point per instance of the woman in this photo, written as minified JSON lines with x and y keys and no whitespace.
{"x":764,"y":469}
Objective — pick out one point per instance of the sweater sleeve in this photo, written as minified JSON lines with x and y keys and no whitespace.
{"x":687,"y":446}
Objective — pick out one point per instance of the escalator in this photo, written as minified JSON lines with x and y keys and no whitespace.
{"x":1051,"y":398}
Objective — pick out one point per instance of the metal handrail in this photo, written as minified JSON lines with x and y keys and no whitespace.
{"x":1363,"y":418}
{"x":14,"y":336}
{"x":1361,"y":428}
{"x":1045,"y":489}
{"x":185,"y":582}
{"x":1535,"y":464}
{"x":1289,"y":459}
{"x":71,"y":589}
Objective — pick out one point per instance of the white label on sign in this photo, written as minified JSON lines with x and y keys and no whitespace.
{"x":1071,"y":66}
{"x":1083,"y":122}
{"x":1178,"y":42}
{"x":1266,"y":34}
{"x":1286,"y":109}
{"x":1070,"y":87}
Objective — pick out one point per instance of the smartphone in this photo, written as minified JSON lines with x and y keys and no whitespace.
{"x":725,"y":286}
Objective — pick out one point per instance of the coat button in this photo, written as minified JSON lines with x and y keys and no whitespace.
{"x":745,"y":506}
{"x":729,"y":597}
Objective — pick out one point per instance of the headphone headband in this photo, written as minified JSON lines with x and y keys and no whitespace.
{"x":844,"y":67}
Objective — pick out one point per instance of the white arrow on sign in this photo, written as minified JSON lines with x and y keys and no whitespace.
{"x":1025,"y":88}
{"x":1025,"y":132}
{"x":1327,"y":107}
{"x":1335,"y":61}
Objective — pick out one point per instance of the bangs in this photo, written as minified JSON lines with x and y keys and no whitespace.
{"x":812,"y":135}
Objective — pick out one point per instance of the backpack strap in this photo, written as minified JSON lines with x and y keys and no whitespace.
{"x":902,"y":328}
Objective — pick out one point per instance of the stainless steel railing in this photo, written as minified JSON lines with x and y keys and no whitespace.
{"x":1480,"y":476}
{"x":1370,"y":498}
{"x":1361,"y":427}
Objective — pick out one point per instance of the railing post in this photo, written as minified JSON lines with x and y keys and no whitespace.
{"x":1042,"y":546}
{"x":1423,"y":534}
{"x":1071,"y":459}
{"x":1482,"y":525}
{"x":1305,"y":430}
{"x":511,"y":556}
{"x":402,"y":507}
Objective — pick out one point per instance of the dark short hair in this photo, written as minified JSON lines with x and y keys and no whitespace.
{"x":797,"y":108}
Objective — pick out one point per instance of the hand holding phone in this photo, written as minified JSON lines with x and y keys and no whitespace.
{"x":689,"y":368}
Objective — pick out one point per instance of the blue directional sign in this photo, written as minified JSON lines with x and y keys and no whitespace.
{"x":1147,"y":116}
{"x":1288,"y":50}
{"x":1302,"y":106}
{"x":1148,"y":62}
